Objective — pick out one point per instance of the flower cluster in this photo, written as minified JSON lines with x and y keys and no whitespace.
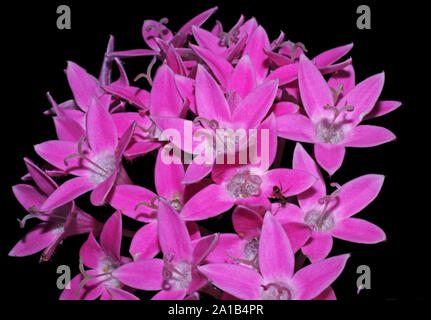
{"x":209,"y":85}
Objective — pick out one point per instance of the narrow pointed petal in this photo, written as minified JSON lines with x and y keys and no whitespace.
{"x":364,"y":136}
{"x":68,"y":129}
{"x":381,"y":108}
{"x":125,"y":198}
{"x":329,"y":156}
{"x":298,"y":234}
{"x":254,"y":48}
{"x":276,"y":258}
{"x":208,"y":40}
{"x":136,"y":96}
{"x":303,"y":161}
{"x":358,"y":193}
{"x":358,"y":230}
{"x":42,"y":180}
{"x":285,"y":74}
{"x":330,"y":56}
{"x":35,"y":240}
{"x":186,"y":89}
{"x":110,"y":238}
{"x":91,"y":291}
{"x":173,"y":235}
{"x":363,"y":98}
{"x":168,"y":177}
{"x":255,"y":106}
{"x":210,"y":101}
{"x":241,"y":282}
{"x":165,"y":99}
{"x":221,"y":68}
{"x":196,"y":172}
{"x":203,"y":248}
{"x":101,"y":130}
{"x":106,"y":69}
{"x":318,"y":246}
{"x":67,"y":192}
{"x":315,"y":92}
{"x":316,"y":277}
{"x":296,"y":127}
{"x":243,"y":79}
{"x":144,"y":274}
{"x":170,"y":295}
{"x":291,"y":182}
{"x":207,"y":203}
{"x":28,"y":196}
{"x":91,"y":252}
{"x":84,"y":86}
{"x":197,"y":21}
{"x":145,"y":242}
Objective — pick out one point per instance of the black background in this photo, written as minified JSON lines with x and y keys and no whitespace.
{"x":35,"y":54}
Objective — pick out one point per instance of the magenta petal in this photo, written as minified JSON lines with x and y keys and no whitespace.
{"x":285,"y":74}
{"x":170,"y":295}
{"x":110,"y":238}
{"x":84,"y":86}
{"x":173,"y":235}
{"x":208,"y":40}
{"x":303,"y":161}
{"x":186,"y":89}
{"x":358,"y":230}
{"x":363,"y":98}
{"x":327,"y":294}
{"x":144,"y":274}
{"x":318,"y":246}
{"x":92,"y":289}
{"x":150,"y":33}
{"x":246,"y":222}
{"x":255,"y":106}
{"x":118,"y":294}
{"x":381,"y":108}
{"x":368,"y":136}
{"x":291,"y":182}
{"x":329,"y":156}
{"x":243,"y":79}
{"x":221,"y":68}
{"x":42,"y":180}
{"x":345,"y":77}
{"x":145,"y":242}
{"x":295,"y":127}
{"x":125,"y":198}
{"x":168,"y":178}
{"x":68,"y":129}
{"x":34,"y":241}
{"x":298,"y":234}
{"x":91,"y":252}
{"x":67,"y":192}
{"x":210,"y":101}
{"x":315,"y":92}
{"x":124,"y":143}
{"x":276,"y":258}
{"x":196,"y":172}
{"x":28,"y":196}
{"x":241,"y":282}
{"x":228,"y":245}
{"x":101,"y":129}
{"x":254,"y":48}
{"x":101,"y":192}
{"x":330,"y":56}
{"x":207,"y":203}
{"x":311,"y":280}
{"x":356,"y":194}
{"x":197,"y":21}
{"x":203,"y":247}
{"x":165,"y":99}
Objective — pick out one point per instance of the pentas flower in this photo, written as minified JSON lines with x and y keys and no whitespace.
{"x":246,"y":184}
{"x":95,"y":159}
{"x":56,"y":225}
{"x":333,"y":126}
{"x":276,"y":279}
{"x":330,"y":215}
{"x":243,"y":247}
{"x":176,"y":275}
{"x":102,"y":259}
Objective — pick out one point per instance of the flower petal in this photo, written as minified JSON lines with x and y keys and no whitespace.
{"x":241,"y":282}
{"x":381,"y":108}
{"x":243,"y":79}
{"x":143,"y":274}
{"x":368,"y":136}
{"x":358,"y":230}
{"x":35,"y":240}
{"x":91,"y":252}
{"x":329,"y":156}
{"x":254,"y":48}
{"x":290,"y":181}
{"x":295,"y":127}
{"x":145,"y":242}
{"x":168,"y":177}
{"x":313,"y":279}
{"x":246,"y":222}
{"x":318,"y":246}
{"x":110,"y":238}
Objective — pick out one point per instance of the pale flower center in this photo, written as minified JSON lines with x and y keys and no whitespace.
{"x":319,"y":221}
{"x":105,"y":167}
{"x":276,"y":291}
{"x":244,"y":185}
{"x":177,"y":275}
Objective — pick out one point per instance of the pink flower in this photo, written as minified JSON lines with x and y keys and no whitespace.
{"x":332,"y":127}
{"x":176,"y":275}
{"x":95,"y":159}
{"x":330,"y":215}
{"x":56,"y":225}
{"x":103,"y":260}
{"x":276,"y":279}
